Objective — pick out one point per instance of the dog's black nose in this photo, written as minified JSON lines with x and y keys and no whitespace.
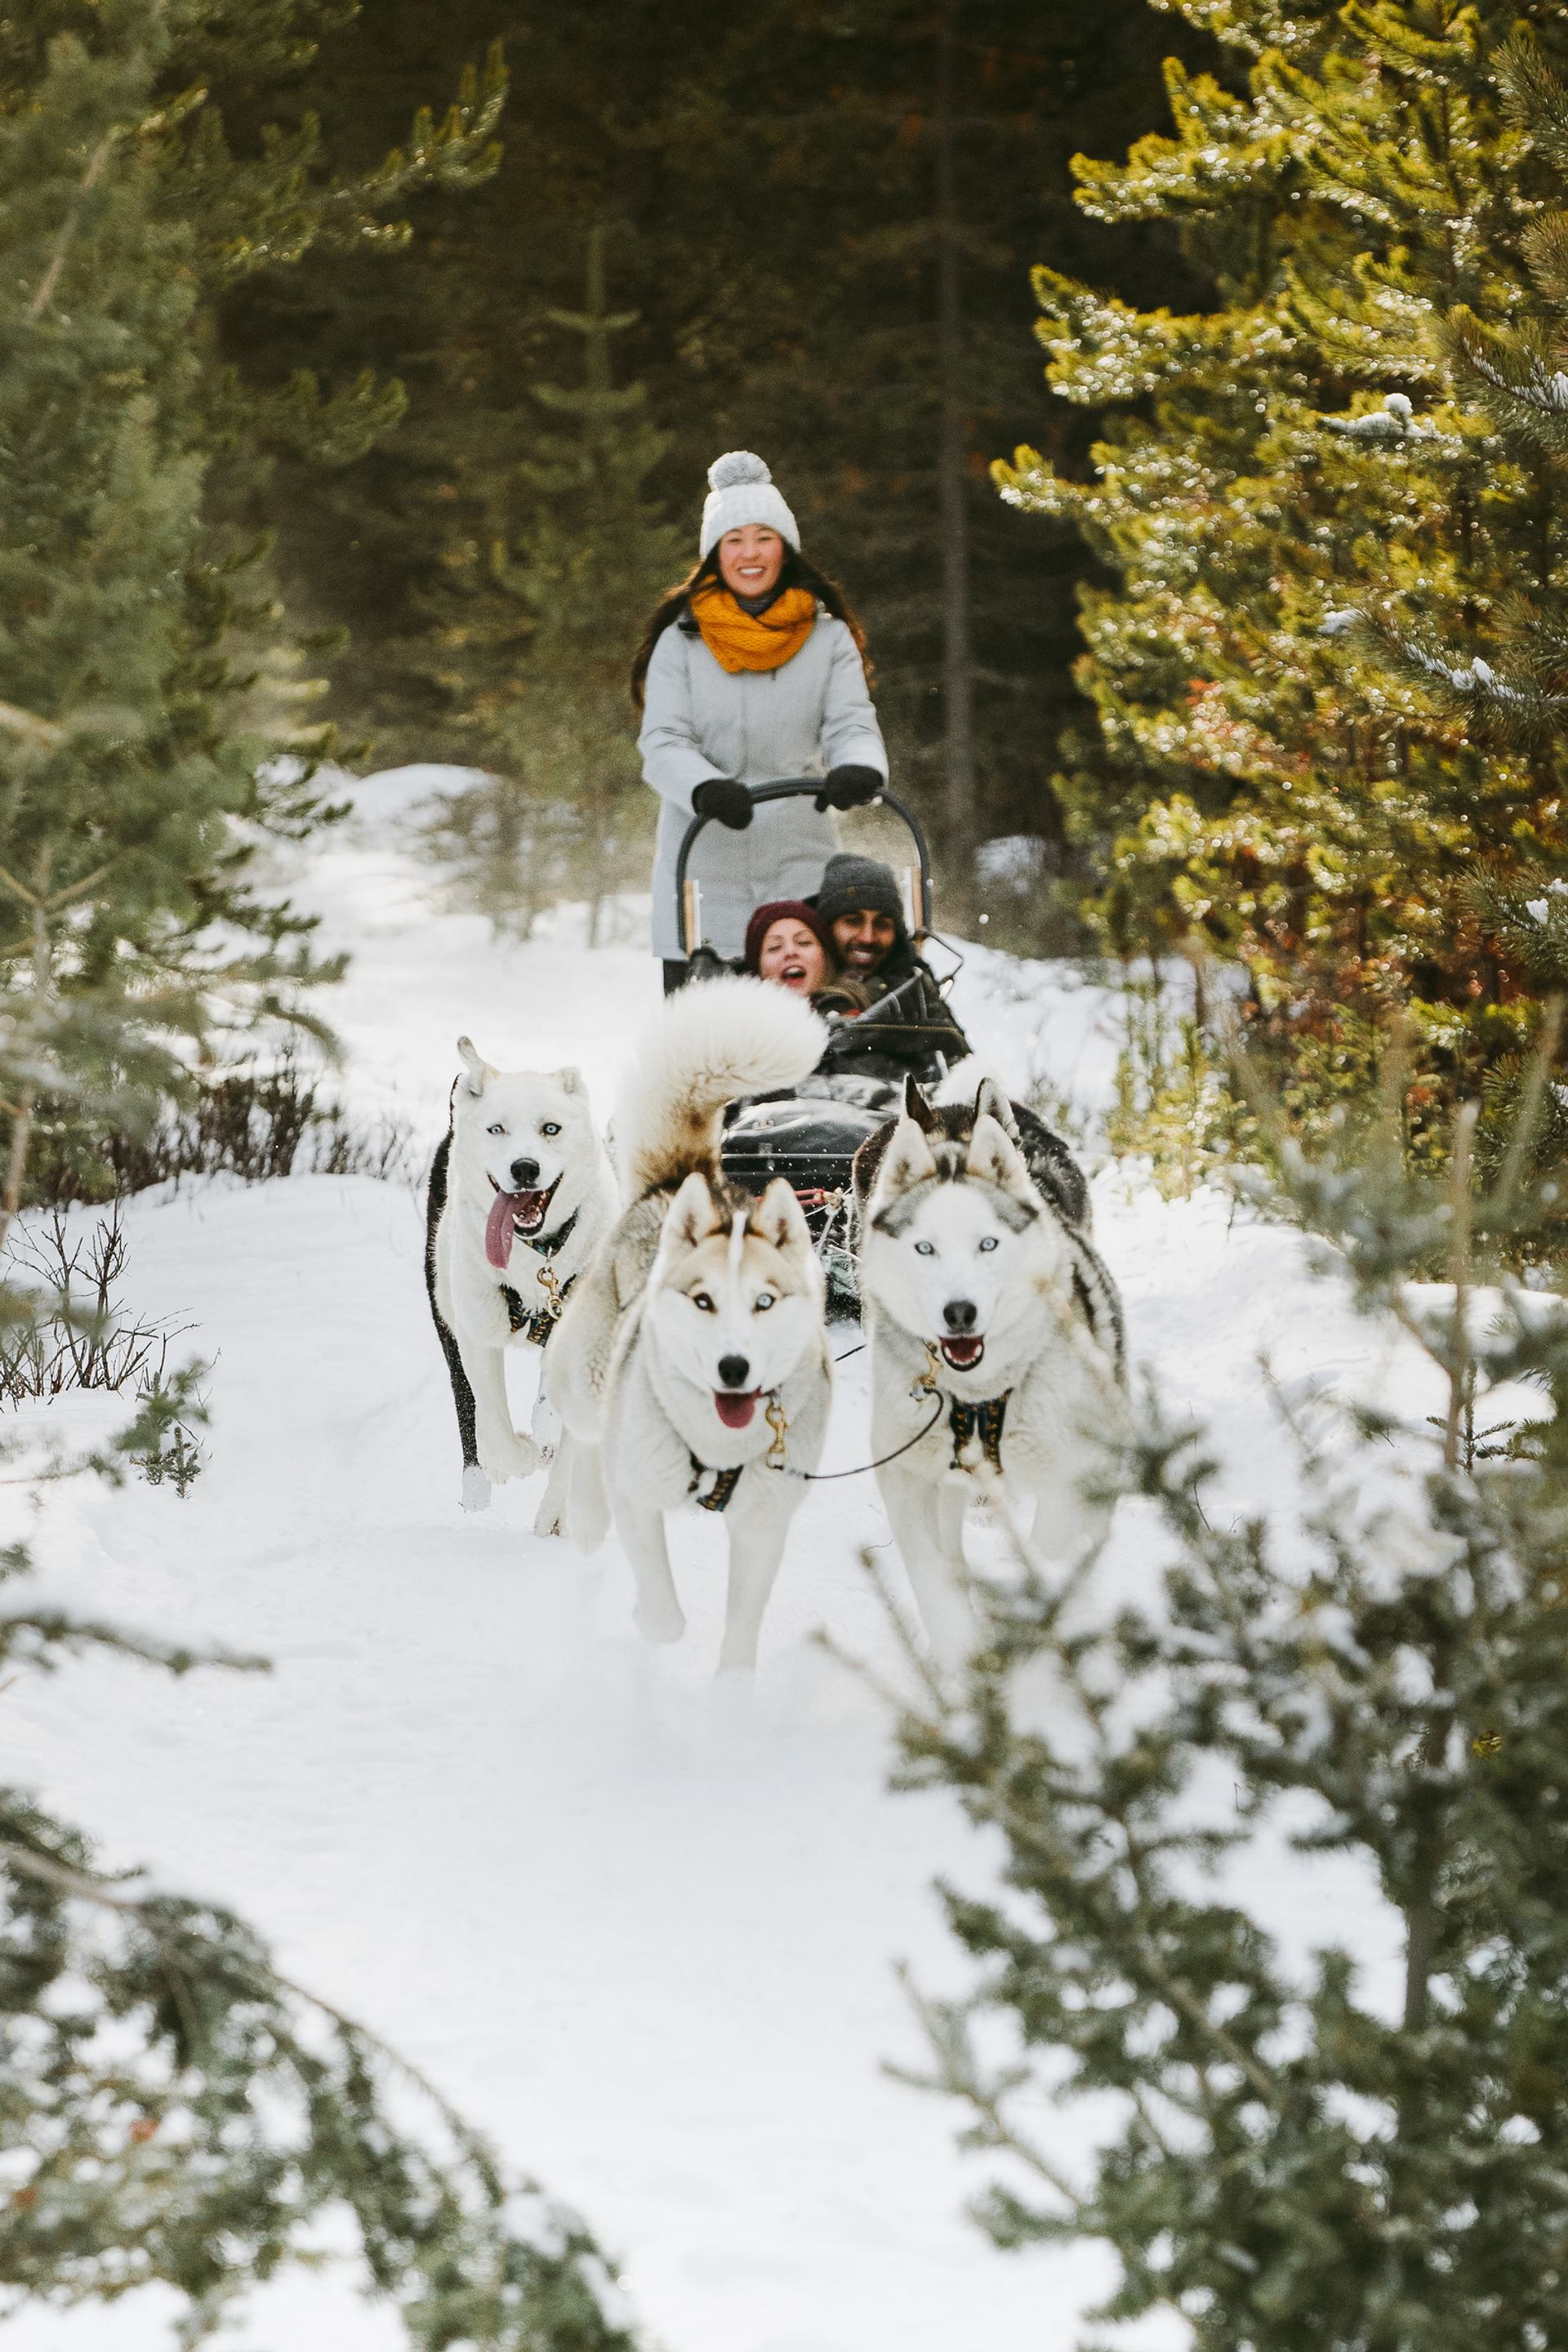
{"x":733,"y":1371}
{"x":524,"y":1174}
{"x":960,"y":1314}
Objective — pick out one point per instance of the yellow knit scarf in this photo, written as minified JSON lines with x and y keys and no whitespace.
{"x":740,"y":640}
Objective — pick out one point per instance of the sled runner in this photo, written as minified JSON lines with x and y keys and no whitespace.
{"x":810,"y":1138}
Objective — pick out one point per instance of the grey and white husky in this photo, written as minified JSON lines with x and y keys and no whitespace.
{"x":694,"y":1352}
{"x":995,"y":1331}
{"x":522,"y":1194}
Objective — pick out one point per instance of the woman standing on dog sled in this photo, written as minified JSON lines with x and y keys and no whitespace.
{"x":751,"y":670}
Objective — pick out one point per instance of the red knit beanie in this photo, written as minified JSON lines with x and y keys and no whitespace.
{"x":775,"y":912}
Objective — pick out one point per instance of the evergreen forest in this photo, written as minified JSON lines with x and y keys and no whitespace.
{"x":812,"y":231}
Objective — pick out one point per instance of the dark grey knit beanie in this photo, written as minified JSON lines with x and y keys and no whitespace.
{"x":850,"y":883}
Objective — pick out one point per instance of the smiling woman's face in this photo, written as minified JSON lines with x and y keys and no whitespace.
{"x":791,"y":955}
{"x":751,"y":559}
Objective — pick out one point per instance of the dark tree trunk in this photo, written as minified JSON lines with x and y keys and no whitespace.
{"x":953,"y":461}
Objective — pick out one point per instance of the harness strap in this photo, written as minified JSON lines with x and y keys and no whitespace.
{"x":548,"y":1244}
{"x":538,"y":1324}
{"x":720,"y":1493}
{"x":984,"y":1420}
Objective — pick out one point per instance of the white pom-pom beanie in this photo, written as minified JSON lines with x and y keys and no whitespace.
{"x":742,"y":491}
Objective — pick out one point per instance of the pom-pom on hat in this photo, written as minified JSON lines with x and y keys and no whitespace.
{"x":742,"y":491}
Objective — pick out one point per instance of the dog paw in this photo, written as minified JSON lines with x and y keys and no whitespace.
{"x":476,"y":1488}
{"x":585,"y":1528}
{"x":550,"y":1519}
{"x":659,"y":1620}
{"x":508,"y":1457}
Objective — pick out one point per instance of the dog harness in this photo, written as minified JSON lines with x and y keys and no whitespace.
{"x":537,"y":1326}
{"x":985,"y":1421}
{"x":720,"y":1493}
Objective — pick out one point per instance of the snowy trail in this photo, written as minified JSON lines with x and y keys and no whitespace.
{"x":641,"y":1929}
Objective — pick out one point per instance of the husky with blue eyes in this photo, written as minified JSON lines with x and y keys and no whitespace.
{"x":694,"y":1353}
{"x":996,"y":1346}
{"x":522,"y":1194}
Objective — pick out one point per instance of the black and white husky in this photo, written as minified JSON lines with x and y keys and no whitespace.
{"x":693,"y":1354}
{"x":995,"y":1329}
{"x":522,"y":1194}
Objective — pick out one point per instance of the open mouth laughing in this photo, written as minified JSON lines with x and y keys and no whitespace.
{"x":962,"y":1354}
{"x":519,"y":1213}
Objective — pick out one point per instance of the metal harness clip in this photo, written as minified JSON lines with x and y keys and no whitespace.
{"x":778,"y":1453}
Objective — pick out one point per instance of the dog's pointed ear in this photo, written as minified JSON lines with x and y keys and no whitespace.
{"x":906,"y":1162}
{"x":477,"y":1069}
{"x":570,"y":1082}
{"x":778,"y":1218}
{"x":917,"y":1108}
{"x":992,"y":1103}
{"x":691,"y":1216}
{"x":995,"y":1159}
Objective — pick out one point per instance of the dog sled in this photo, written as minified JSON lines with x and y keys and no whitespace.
{"x":811,"y":1136}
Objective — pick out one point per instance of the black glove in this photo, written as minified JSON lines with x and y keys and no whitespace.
{"x":850,"y":787}
{"x":723,"y":798}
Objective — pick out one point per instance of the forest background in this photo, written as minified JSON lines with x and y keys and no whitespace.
{"x":1191,"y":668}
{"x":811,"y":230}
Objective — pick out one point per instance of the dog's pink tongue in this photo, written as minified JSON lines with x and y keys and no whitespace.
{"x":499,"y":1228}
{"x":734,"y":1412}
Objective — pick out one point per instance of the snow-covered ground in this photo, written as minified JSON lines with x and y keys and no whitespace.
{"x":643,"y":1930}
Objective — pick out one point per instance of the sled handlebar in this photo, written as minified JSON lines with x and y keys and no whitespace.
{"x":793,"y":788}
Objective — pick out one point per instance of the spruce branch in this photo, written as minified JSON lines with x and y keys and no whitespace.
{"x":97,"y":164}
{"x":41,"y":732}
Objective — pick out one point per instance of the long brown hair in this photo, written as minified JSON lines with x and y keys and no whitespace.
{"x":793,"y":573}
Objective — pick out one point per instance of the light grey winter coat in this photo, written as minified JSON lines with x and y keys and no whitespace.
{"x":811,"y":714}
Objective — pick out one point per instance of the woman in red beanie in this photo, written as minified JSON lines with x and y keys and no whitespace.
{"x":787,"y":942}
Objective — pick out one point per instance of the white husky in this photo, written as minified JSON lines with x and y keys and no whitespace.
{"x":995,"y":1331}
{"x":522,"y":1194}
{"x":694,"y":1351}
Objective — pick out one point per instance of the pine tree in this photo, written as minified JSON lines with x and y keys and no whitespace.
{"x":1510,"y":697}
{"x":120,"y":786}
{"x":564,"y":555}
{"x":146,"y":681}
{"x":1306,"y":449}
{"x":1284,"y":2155}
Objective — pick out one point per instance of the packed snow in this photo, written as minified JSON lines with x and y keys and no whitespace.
{"x":643,"y":1928}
